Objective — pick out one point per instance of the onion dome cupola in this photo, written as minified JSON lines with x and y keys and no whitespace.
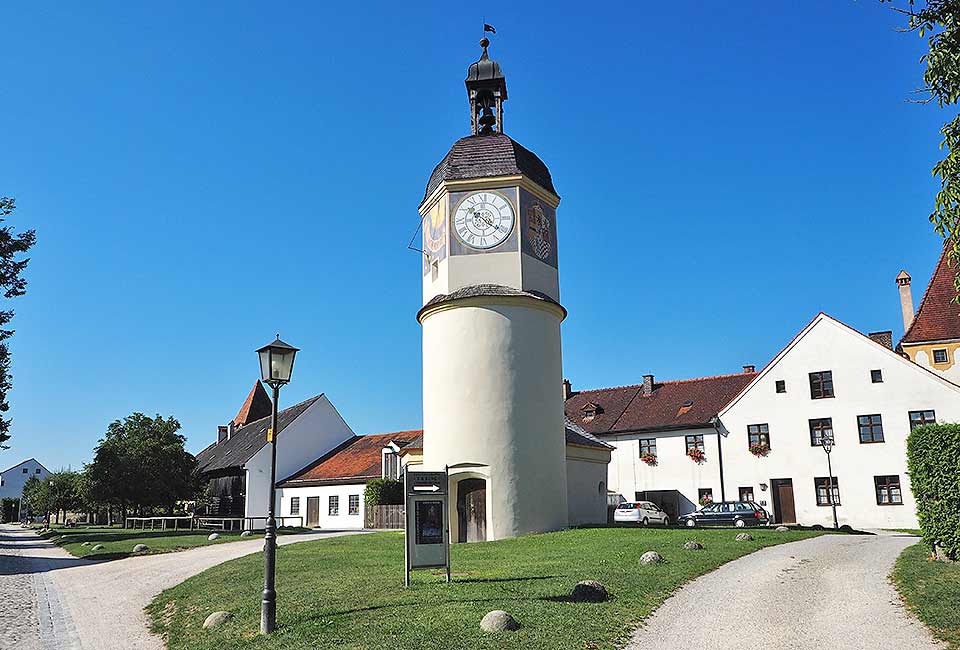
{"x":487,"y":90}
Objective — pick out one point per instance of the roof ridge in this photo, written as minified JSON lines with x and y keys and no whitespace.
{"x":667,"y":381}
{"x":287,"y":408}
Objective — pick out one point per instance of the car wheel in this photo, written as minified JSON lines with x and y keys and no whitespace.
{"x":740,"y":523}
{"x":691,"y":523}
{"x":666,"y":521}
{"x":646,"y":522}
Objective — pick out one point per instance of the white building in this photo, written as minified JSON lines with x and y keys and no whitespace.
{"x":12,"y":480}
{"x":237,"y":466}
{"x":829,"y":380}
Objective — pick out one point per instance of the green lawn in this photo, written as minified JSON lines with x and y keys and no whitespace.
{"x":348,"y":593}
{"x":118,"y":542}
{"x":931,"y":590}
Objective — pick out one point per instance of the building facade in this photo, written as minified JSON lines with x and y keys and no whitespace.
{"x":13,"y":479}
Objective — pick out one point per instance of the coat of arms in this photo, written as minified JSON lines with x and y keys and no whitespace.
{"x":538,"y":231}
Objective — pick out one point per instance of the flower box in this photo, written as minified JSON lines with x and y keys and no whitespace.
{"x":697,"y":455}
{"x":648,"y":458}
{"x":760,"y":449}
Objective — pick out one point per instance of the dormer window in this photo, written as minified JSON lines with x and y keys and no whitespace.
{"x":590,"y":411}
{"x":391,"y":464}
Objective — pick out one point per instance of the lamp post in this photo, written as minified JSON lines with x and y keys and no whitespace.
{"x":827,"y":443}
{"x":276,"y":366}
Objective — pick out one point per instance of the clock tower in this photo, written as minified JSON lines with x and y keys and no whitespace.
{"x":492,"y":377}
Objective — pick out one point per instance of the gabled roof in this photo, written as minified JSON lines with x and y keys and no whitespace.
{"x":577,"y":435}
{"x":356,"y":460}
{"x":679,"y":404}
{"x":248,"y":440}
{"x":24,"y":462}
{"x":806,"y":330}
{"x":938,"y":318}
{"x":256,"y":406}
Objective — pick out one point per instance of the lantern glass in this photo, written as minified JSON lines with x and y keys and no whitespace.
{"x":276,"y":362}
{"x":828,"y":443}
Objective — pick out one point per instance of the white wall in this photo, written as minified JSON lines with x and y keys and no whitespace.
{"x":492,"y":396}
{"x":828,"y":345}
{"x":342,"y":521}
{"x":14,"y":478}
{"x":925,"y":358}
{"x":674,"y":469}
{"x":586,"y":485}
{"x":315,"y":432}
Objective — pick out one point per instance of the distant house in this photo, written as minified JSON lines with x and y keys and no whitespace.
{"x":328,"y":493}
{"x":13,"y":479}
{"x":236,"y":467}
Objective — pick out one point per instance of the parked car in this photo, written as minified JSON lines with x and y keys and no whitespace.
{"x":727,"y":513}
{"x":640,"y":512}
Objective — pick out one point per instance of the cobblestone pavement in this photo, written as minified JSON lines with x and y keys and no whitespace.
{"x":50,"y":600}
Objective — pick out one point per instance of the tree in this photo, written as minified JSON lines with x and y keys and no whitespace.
{"x":939,"y":22}
{"x":62,"y":492}
{"x":12,"y":265}
{"x":36,"y":496}
{"x":140,"y":463}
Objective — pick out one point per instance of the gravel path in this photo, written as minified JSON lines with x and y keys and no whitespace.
{"x":828,"y":592}
{"x":74,"y":604}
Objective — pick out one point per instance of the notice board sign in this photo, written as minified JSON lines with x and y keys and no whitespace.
{"x":427,"y":529}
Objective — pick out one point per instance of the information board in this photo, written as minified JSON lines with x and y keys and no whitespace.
{"x":427,"y":529}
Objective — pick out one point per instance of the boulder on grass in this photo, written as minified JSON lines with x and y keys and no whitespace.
{"x":217,"y":619}
{"x":140,"y":548}
{"x":744,"y":537}
{"x":783,"y":529}
{"x":693,"y":545}
{"x":213,"y":537}
{"x":246,"y":533}
{"x":651,"y":557}
{"x":499,"y":621}
{"x":85,"y":544}
{"x":97,"y":547}
{"x":589,"y":591}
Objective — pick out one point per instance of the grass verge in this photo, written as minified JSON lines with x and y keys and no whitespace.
{"x":348,"y":592}
{"x":119,"y":542}
{"x":931,"y":590}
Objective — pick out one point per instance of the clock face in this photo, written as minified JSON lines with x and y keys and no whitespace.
{"x":483,"y":220}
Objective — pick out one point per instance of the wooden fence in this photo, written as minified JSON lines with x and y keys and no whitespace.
{"x":383,"y":517}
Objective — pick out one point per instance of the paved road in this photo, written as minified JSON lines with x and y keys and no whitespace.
{"x":54,"y":601}
{"x":830,"y":592}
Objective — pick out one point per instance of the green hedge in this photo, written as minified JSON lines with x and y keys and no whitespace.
{"x":933,"y":460}
{"x":383,"y":492}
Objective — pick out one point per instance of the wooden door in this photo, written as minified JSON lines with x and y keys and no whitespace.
{"x":313,"y":512}
{"x":784,"y":509}
{"x":472,"y":510}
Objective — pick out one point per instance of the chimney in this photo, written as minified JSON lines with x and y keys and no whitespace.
{"x":883,"y":338}
{"x":749,"y":368}
{"x":231,"y":427}
{"x":648,"y":384}
{"x":567,"y":389}
{"x":906,"y":299}
{"x":221,"y":434}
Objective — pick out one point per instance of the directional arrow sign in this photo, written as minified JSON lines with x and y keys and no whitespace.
{"x":426,"y":488}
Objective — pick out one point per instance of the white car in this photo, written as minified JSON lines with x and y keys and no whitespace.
{"x":640,"y":512}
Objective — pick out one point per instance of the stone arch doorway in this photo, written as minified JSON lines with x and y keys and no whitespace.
{"x":472,"y":510}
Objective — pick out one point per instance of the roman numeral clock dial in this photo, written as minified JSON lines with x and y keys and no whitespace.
{"x":483,"y":220}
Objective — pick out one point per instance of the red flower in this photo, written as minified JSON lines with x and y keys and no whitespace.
{"x":696,"y":455}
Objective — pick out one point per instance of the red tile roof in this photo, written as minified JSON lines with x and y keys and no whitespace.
{"x":356,"y":460}
{"x":938,"y":318}
{"x":676,"y":404}
{"x":256,"y":406}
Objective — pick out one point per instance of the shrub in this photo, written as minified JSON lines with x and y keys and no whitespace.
{"x":933,"y":461}
{"x":383,"y":492}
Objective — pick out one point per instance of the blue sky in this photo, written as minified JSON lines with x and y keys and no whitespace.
{"x":204,"y":177}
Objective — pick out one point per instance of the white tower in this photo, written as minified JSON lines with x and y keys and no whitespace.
{"x":492,"y":377}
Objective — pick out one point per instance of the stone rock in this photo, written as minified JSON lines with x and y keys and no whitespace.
{"x":651,"y":557}
{"x":246,"y":533}
{"x":85,"y":544}
{"x":98,"y":547}
{"x":744,"y":537}
{"x":140,"y":548}
{"x":217,"y":619}
{"x":783,"y":529}
{"x":693,"y":545}
{"x":589,"y":591}
{"x":499,"y":621}
{"x":213,"y":537}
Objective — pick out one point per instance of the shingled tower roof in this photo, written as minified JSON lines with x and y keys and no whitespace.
{"x":256,"y":406}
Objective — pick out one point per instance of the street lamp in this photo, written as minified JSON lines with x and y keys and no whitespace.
{"x":276,"y":366}
{"x":827,"y":443}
